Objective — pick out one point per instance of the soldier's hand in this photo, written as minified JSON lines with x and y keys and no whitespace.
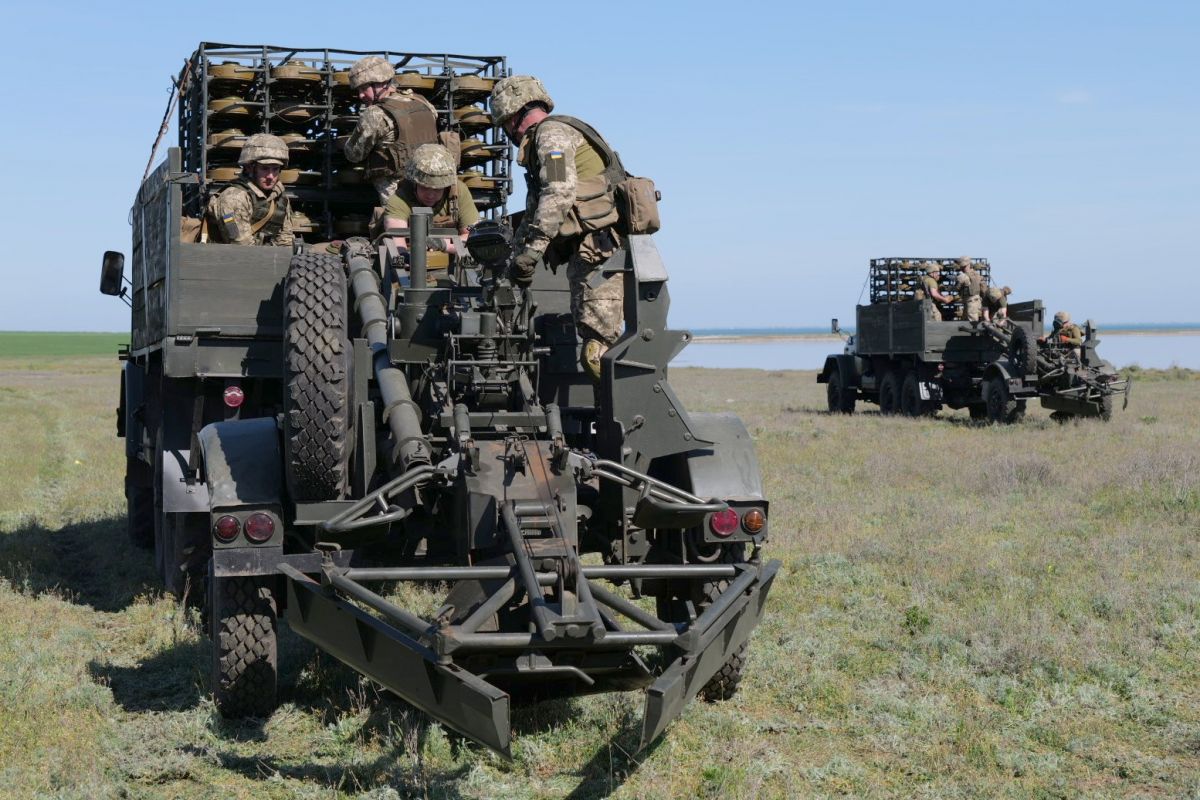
{"x":523,"y":267}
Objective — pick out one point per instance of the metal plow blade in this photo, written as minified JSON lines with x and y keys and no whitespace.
{"x":456,"y":698}
{"x":716,"y":635}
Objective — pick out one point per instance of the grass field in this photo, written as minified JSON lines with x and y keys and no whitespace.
{"x":962,"y":612}
{"x":24,"y":345}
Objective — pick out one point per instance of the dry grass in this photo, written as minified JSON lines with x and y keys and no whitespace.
{"x":963,"y":612}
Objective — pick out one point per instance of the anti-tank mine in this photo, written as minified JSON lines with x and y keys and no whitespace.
{"x":304,"y":428}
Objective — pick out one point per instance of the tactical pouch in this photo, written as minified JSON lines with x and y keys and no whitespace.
{"x":637,"y":201}
{"x":594,"y":208}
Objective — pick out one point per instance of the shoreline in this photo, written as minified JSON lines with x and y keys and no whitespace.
{"x":752,"y":338}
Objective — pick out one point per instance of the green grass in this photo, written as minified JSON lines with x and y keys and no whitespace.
{"x":962,"y":612}
{"x":20,"y":344}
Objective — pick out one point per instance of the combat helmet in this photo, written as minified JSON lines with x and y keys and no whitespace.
{"x":431,"y":166}
{"x":931,"y":267}
{"x":513,"y":93}
{"x":263,"y":148}
{"x":1062,"y":317}
{"x":371,"y":69}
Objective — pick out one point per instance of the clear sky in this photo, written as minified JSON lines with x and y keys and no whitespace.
{"x":791,"y":141}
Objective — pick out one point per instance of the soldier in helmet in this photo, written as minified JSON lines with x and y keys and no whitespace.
{"x":570,"y":211}
{"x":392,"y":125}
{"x":430,"y":181}
{"x":995,"y":304}
{"x":254,"y":209}
{"x":1065,"y":333}
{"x":970,"y":285}
{"x":929,"y":289}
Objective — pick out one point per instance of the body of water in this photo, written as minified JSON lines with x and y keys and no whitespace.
{"x":1150,"y":351}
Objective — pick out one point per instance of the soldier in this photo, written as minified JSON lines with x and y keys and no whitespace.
{"x":570,"y":211}
{"x":431,"y":182}
{"x":1066,"y":333}
{"x":995,"y":304}
{"x":254,"y":209}
{"x":929,"y":288}
{"x":970,"y":285}
{"x":394,"y":123}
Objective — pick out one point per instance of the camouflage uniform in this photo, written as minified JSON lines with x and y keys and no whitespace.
{"x":232,"y":211}
{"x":463,"y":215}
{"x":929,"y":285}
{"x":564,"y":157}
{"x":376,"y":128}
{"x":970,"y":285}
{"x":995,"y":300}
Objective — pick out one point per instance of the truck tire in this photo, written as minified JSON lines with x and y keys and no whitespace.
{"x":840,"y":397}
{"x":889,"y":392}
{"x":1106,"y":408}
{"x":911,"y":404}
{"x":245,"y":665}
{"x":316,"y":429}
{"x":139,"y":512}
{"x":978,"y":411}
{"x":1001,"y":407}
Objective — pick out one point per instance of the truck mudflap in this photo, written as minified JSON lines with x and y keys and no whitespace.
{"x":415,"y":658}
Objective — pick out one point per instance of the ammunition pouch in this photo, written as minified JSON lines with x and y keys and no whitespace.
{"x":637,"y":204}
{"x":594,"y":209}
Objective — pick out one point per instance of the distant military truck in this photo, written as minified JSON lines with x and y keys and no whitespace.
{"x":906,"y":362}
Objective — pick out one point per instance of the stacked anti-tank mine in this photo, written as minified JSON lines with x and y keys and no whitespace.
{"x":231,"y":92}
{"x":893,"y":280}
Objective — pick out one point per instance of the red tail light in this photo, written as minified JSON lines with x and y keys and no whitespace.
{"x":234,"y":396}
{"x":724,"y":523}
{"x":259,"y":528}
{"x":226,"y":528}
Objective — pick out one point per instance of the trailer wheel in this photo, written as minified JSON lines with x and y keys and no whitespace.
{"x":139,"y":511}
{"x":724,"y":683}
{"x":1001,"y":407}
{"x":245,"y":666}
{"x":840,"y":397}
{"x":911,"y":404}
{"x":316,"y":429}
{"x":889,"y":393}
{"x":1106,"y":408}
{"x":1019,"y":349}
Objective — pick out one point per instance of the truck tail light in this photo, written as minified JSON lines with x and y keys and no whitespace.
{"x":234,"y":396}
{"x":259,"y":528}
{"x":723,"y":523}
{"x":226,"y":528}
{"x":753,"y":521}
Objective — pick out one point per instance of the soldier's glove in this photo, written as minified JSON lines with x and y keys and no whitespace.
{"x":523,"y":267}
{"x":437,"y":244}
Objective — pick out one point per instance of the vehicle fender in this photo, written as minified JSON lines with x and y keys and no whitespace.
{"x":729,"y":468}
{"x":243,"y":462}
{"x":1000,"y":368}
{"x":849,"y":365}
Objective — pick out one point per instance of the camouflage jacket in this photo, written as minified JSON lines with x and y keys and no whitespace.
{"x":1069,"y":334}
{"x":375,"y":127}
{"x":232,"y":214}
{"x":554,"y":148}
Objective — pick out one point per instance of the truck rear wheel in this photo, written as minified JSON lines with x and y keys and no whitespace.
{"x":245,"y":670}
{"x":316,"y":430}
{"x":1001,"y":407}
{"x":1019,"y":350}
{"x":911,"y":404}
{"x":139,"y":512}
{"x":889,"y":392}
{"x":840,"y":397}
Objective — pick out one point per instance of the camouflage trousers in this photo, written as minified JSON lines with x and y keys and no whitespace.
{"x":935,"y":311}
{"x":598,"y":307}
{"x":973,"y":308}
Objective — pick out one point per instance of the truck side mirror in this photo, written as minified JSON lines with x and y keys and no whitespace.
{"x":833,"y":326}
{"x":112,"y":268}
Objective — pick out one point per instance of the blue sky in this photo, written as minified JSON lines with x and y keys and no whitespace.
{"x":791,"y":141}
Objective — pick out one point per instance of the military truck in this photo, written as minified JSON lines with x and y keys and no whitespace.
{"x":906,"y":362}
{"x":307,"y":428}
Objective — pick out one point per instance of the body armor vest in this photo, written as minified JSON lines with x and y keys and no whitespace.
{"x":922,"y":291}
{"x":267,"y":215}
{"x":614,"y":171}
{"x":416,"y":124}
{"x":973,"y":283}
